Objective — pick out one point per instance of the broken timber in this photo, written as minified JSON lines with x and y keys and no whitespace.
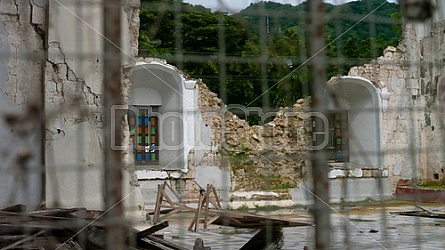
{"x":64,"y":229}
{"x":424,"y":213}
{"x":215,"y":215}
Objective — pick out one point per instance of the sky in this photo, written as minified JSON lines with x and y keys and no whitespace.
{"x":237,"y":5}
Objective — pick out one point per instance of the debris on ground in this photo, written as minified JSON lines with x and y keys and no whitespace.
{"x":72,"y":228}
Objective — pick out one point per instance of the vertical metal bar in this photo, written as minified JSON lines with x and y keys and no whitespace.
{"x":264,"y":37}
{"x":112,"y":96}
{"x":43,"y":107}
{"x":317,"y":80}
{"x":178,"y":55}
{"x":222,"y":60}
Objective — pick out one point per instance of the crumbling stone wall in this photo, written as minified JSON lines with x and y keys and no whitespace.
{"x":259,"y":158}
{"x":272,"y":156}
{"x":412,"y":126}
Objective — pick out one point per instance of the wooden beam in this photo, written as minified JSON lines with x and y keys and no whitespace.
{"x":152,"y":229}
{"x":158,"y":205}
{"x":264,"y":238}
{"x":19,"y":208}
{"x":165,"y":243}
{"x":17,"y":243}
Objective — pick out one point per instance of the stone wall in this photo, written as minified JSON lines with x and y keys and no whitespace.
{"x":273,"y":156}
{"x":259,"y":159}
{"x":412,"y":126}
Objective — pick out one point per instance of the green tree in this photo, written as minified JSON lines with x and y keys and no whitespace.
{"x":227,"y":53}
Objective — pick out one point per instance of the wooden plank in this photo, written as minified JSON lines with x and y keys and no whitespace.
{"x":98,"y":238}
{"x":253,"y":218}
{"x":211,"y":220}
{"x":195,"y":220}
{"x":218,"y":205}
{"x":173,"y":191}
{"x":51,"y":242}
{"x":87,"y":214}
{"x":158,"y":205}
{"x":28,"y":228}
{"x":206,"y":212}
{"x":425,"y":210}
{"x":228,"y":221}
{"x":18,"y":208}
{"x":149,"y":244}
{"x":169,"y":214}
{"x":61,"y":212}
{"x":266,"y":237}
{"x":421,"y":214}
{"x":6,"y":240}
{"x":165,"y":196}
{"x":19,"y":242}
{"x":152,"y":229}
{"x":165,"y":243}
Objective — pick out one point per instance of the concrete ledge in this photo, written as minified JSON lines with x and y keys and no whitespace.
{"x":356,"y":189}
{"x":420,"y":194}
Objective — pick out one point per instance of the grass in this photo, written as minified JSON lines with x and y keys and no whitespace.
{"x":243,"y":207}
{"x":430,"y":184}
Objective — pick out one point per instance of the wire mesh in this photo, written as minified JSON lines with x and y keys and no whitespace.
{"x":119,"y":115}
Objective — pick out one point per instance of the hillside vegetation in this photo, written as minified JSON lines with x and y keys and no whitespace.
{"x":263,"y":47}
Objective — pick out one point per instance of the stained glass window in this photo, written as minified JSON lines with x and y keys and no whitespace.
{"x":338,"y":137}
{"x":144,"y":131}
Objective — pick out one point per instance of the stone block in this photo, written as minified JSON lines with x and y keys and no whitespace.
{"x":55,"y":55}
{"x":375,"y":173}
{"x":335,"y":173}
{"x":356,"y":173}
{"x":38,"y":15}
{"x":367,"y":173}
{"x":8,"y":7}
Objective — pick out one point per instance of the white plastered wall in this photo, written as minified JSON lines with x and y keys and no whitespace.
{"x":74,"y":81}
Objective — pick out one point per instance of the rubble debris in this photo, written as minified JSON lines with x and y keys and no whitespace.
{"x":74,"y":228}
{"x":210,"y":207}
{"x":262,"y":241}
{"x":215,"y":215}
{"x":19,"y":208}
{"x":424,"y":213}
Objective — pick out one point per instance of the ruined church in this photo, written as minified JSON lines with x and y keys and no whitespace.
{"x":384,"y":120}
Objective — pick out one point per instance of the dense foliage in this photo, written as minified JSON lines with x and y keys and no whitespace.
{"x":263,"y":47}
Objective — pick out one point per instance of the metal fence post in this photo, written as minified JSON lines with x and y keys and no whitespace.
{"x":317,"y":74}
{"x":112,"y":96}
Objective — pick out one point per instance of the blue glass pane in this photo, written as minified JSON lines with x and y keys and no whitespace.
{"x":147,"y":157}
{"x":139,"y":157}
{"x":146,"y":120}
{"x":139,"y":121}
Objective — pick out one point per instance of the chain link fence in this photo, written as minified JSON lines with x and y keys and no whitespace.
{"x":166,"y":125}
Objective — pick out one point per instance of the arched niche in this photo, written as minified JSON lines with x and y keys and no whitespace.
{"x":360,"y":100}
{"x":145,"y":96}
{"x":157,"y":91}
